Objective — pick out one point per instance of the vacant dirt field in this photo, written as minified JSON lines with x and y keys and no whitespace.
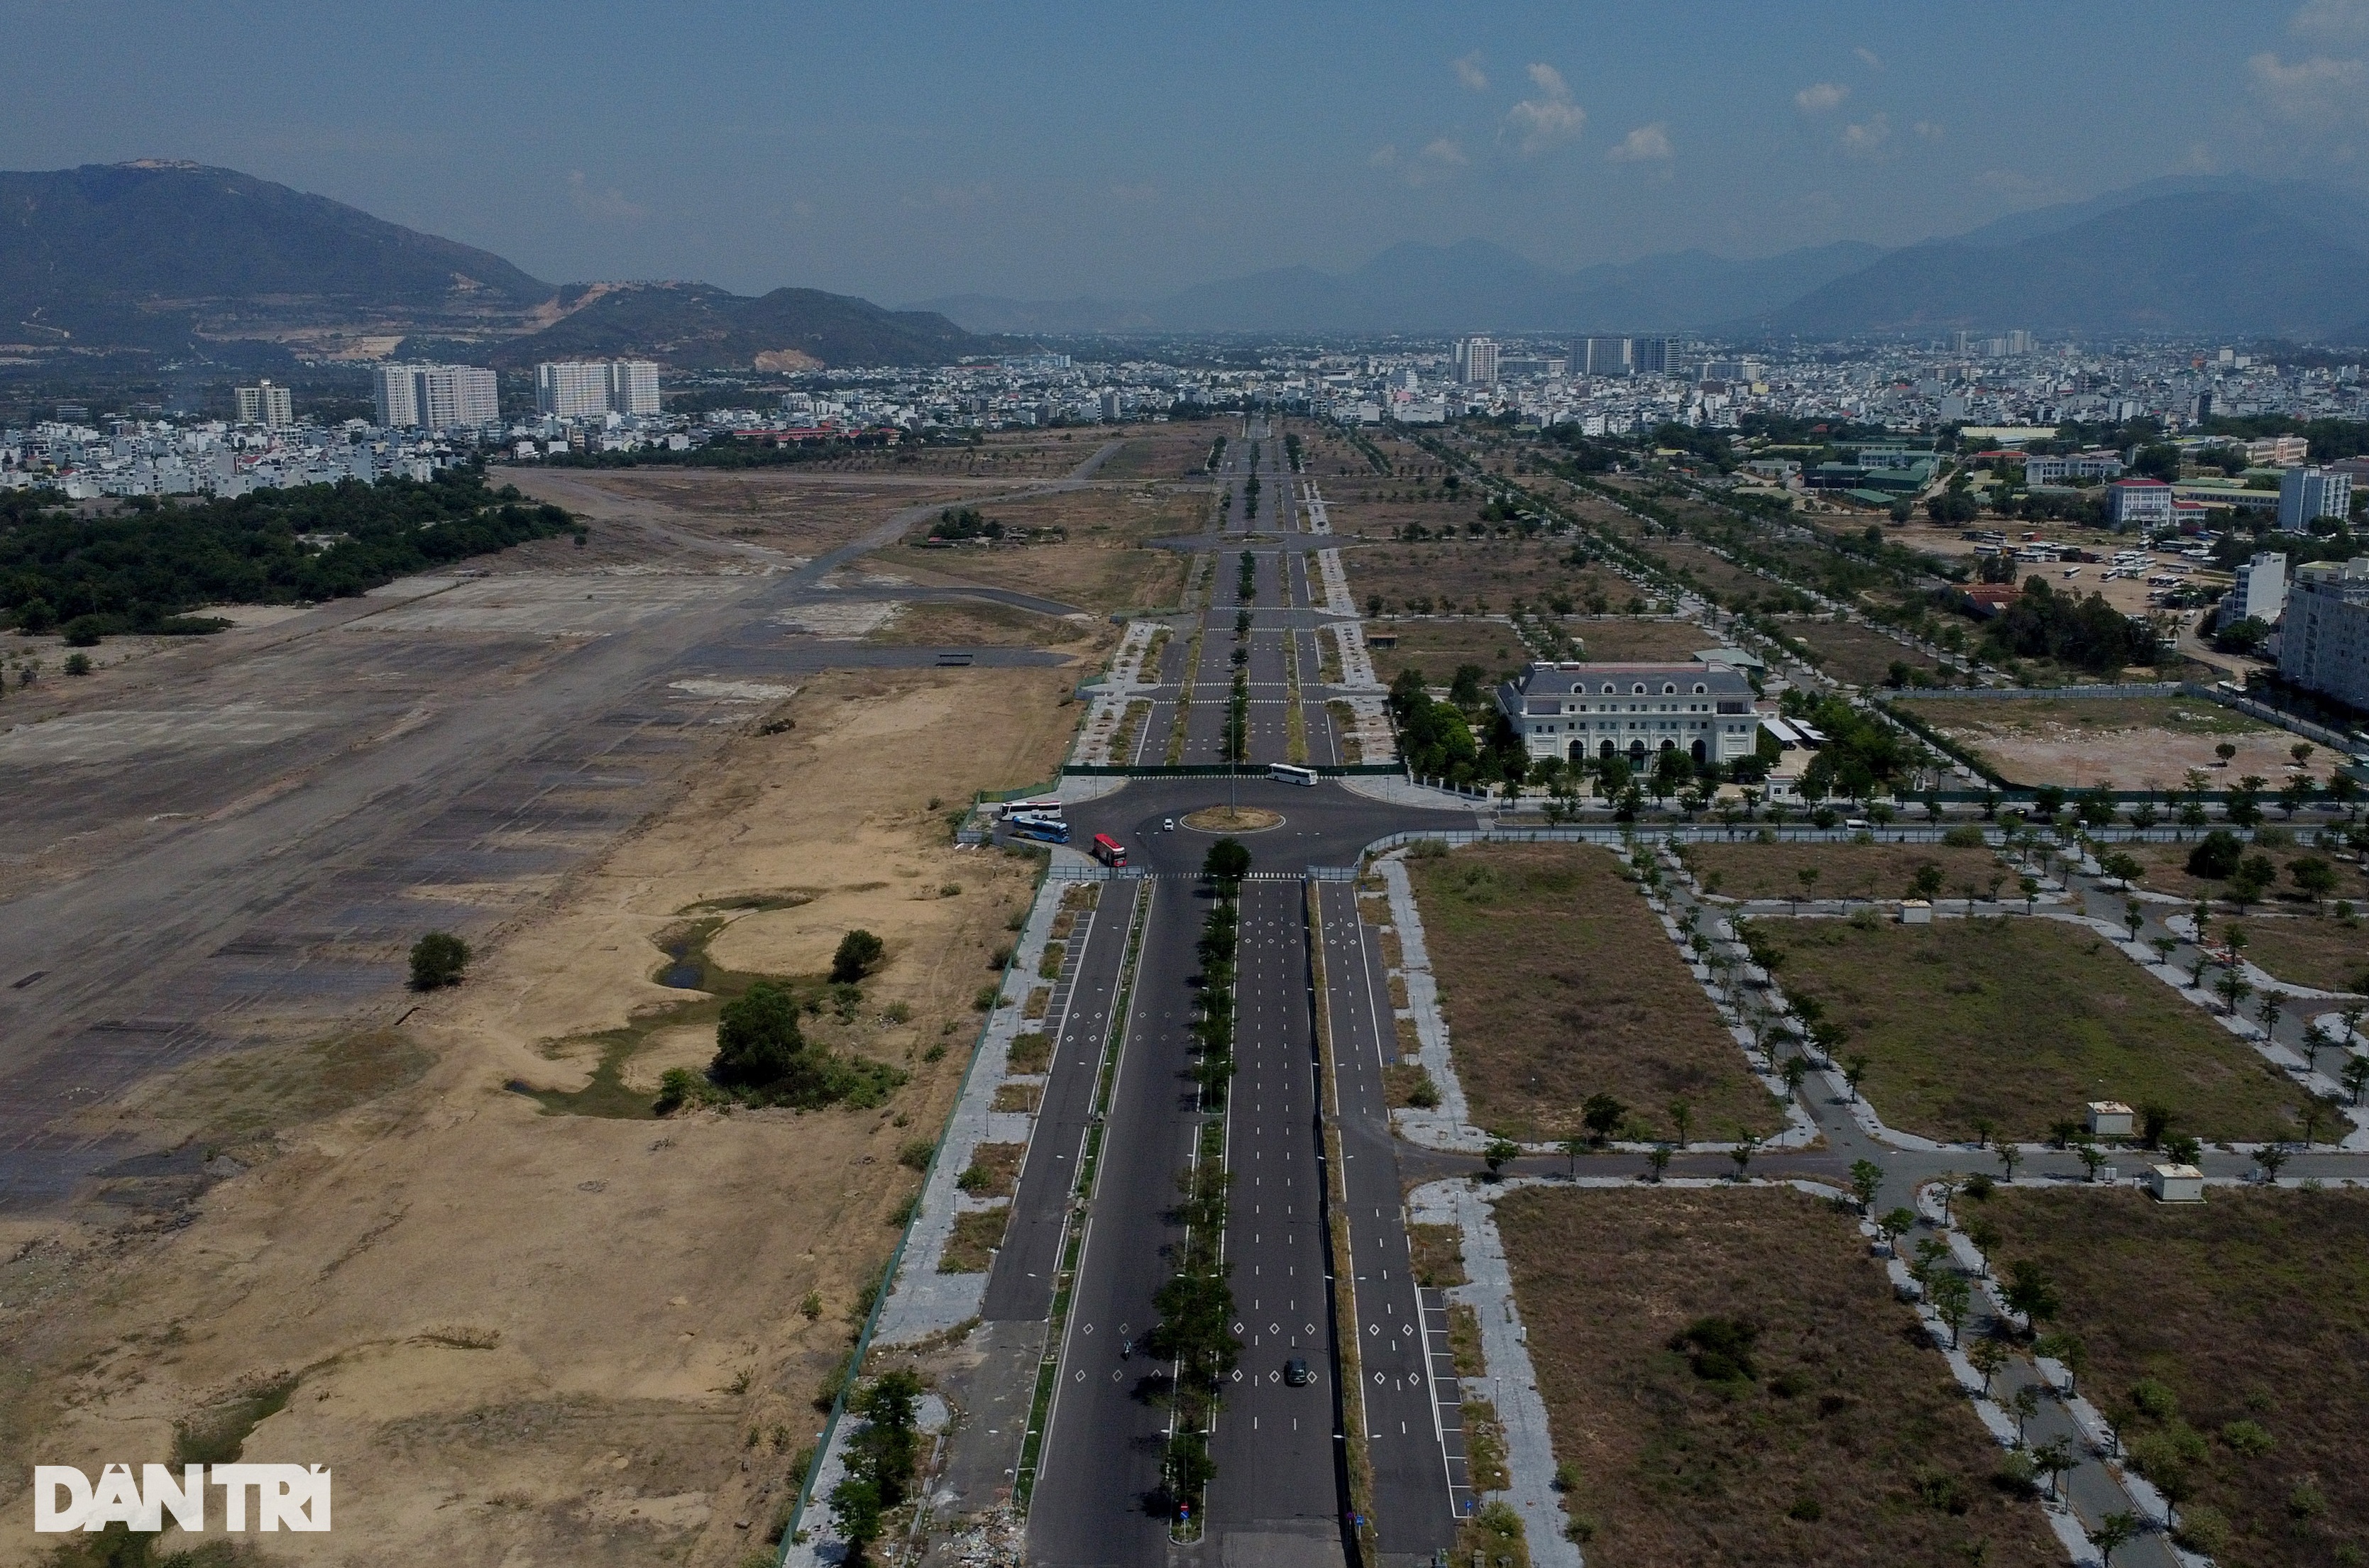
{"x":1557,"y":984}
{"x":2024,"y":1022}
{"x":1849,"y":652}
{"x":1844,"y":1442}
{"x":1844,"y":871}
{"x":981,"y":624}
{"x":1640,"y":639}
{"x":2133,"y":743}
{"x":1174,"y":451}
{"x":1466,"y":574}
{"x":556,"y":1338}
{"x":772,"y":516}
{"x":1105,"y":563}
{"x":1437,"y":647}
{"x":2251,"y":1307}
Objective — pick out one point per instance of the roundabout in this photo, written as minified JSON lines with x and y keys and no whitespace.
{"x":1231,"y":819}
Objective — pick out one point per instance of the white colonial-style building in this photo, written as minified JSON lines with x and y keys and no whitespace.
{"x":1592,"y":711}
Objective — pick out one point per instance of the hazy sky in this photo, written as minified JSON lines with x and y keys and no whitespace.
{"x":1043,"y":150}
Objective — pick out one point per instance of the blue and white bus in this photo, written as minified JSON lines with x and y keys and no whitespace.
{"x":1286,"y":773}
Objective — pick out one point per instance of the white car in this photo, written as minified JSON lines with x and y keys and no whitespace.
{"x":1168,"y":824}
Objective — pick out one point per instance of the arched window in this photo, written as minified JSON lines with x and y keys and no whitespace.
{"x":1607,"y":689}
{"x":1699,"y":752}
{"x":1638,"y":689}
{"x":1578,"y":688}
{"x":1669,"y":688}
{"x":1700,"y":688}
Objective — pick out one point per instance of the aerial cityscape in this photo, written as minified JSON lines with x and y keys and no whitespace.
{"x":1361,"y":791}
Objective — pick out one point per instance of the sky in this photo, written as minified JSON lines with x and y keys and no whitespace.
{"x":907,"y":152}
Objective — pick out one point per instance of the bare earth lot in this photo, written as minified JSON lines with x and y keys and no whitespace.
{"x":2135,"y":742}
{"x":547,"y":1338}
{"x":1640,"y":639}
{"x":1847,"y":1444}
{"x":1849,"y":652}
{"x":2249,"y":1308}
{"x":1438,"y":647}
{"x":1844,"y":871}
{"x":1465,"y":573}
{"x":1105,"y":563}
{"x":2022,"y":1022}
{"x":1557,"y":983}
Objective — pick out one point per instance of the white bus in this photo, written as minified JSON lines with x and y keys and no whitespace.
{"x":1287,"y":774}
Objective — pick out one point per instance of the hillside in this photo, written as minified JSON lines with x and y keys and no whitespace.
{"x":696,"y":326}
{"x":147,"y":254}
{"x":2259,"y":260}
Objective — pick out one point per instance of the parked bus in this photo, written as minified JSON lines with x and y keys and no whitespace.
{"x":1042,"y":831}
{"x":1290,"y":775}
{"x":1109,"y":850}
{"x":1050,"y":806}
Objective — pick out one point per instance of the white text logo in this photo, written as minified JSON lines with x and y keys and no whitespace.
{"x":287,"y":1496}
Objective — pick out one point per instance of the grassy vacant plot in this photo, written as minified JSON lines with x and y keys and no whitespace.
{"x":2137,"y":743}
{"x":2321,"y":953}
{"x":1166,"y":451}
{"x":2022,"y":1022}
{"x":1732,"y":1381}
{"x":1640,"y":639}
{"x":1699,"y":567}
{"x":976,"y":1233}
{"x":1845,"y":870}
{"x":1558,"y":983}
{"x":1465,"y":573}
{"x":1437,"y":647}
{"x":1849,"y":652}
{"x":2248,"y":1311}
{"x":2167,"y":871}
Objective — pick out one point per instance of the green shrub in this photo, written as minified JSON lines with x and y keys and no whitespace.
{"x":438,"y":960}
{"x":914,"y":1156}
{"x":859,"y":954}
{"x":2246,"y":1438}
{"x":1965,"y":836}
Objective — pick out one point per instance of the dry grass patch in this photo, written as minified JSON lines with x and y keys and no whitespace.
{"x":1845,"y":870}
{"x":1437,"y":647}
{"x":993,"y":1171}
{"x":1848,"y":1443}
{"x":1849,"y":652}
{"x":2138,"y":743}
{"x":2021,"y":1022}
{"x":1559,"y":984}
{"x":1030,"y":1052}
{"x":1105,"y":562}
{"x":2251,"y":1307}
{"x":1626,"y":639}
{"x":2318,"y":951}
{"x":1436,"y":1253}
{"x":1023,"y":1097}
{"x":2165,"y":869}
{"x":976,"y":1233}
{"x":1461,"y":573}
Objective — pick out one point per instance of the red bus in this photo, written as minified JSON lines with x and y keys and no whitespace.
{"x":1109,"y":850}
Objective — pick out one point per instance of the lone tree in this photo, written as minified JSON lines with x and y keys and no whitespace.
{"x":1227,"y":863}
{"x":1601,"y":1113}
{"x":1866,"y":1180}
{"x":1498,"y":1151}
{"x":757,"y":1039}
{"x":859,"y":954}
{"x":438,"y":960}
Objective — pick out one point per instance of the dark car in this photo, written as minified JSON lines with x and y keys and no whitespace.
{"x":1295,"y":1372}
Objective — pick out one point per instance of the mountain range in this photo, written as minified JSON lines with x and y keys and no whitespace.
{"x":2224,"y":255}
{"x":175,"y":259}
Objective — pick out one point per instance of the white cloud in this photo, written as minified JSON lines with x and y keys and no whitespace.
{"x":1819,"y":96}
{"x":1468,"y":72}
{"x":1385,"y":156}
{"x":1647,"y":144}
{"x":606,"y":206}
{"x":1872,"y":140}
{"x":1549,"y":119}
{"x":2317,"y":91}
{"x":1438,"y":161}
{"x":1868,"y":58}
{"x":1931,"y":130}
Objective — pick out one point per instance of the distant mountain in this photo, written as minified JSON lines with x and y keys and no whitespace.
{"x":151,"y":254}
{"x":1472,"y":286}
{"x":696,"y":326}
{"x":2258,"y":259}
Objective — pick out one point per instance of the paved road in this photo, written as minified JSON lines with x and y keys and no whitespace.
{"x":1279,"y":1456}
{"x":1416,"y":1451}
{"x":1020,"y":1289}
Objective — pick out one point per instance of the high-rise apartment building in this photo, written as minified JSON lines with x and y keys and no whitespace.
{"x":587,"y":388}
{"x":2308,"y":494}
{"x":1476,"y":361}
{"x":2324,"y":647}
{"x":267,"y":406}
{"x":1650,"y":356}
{"x":1601,"y":356}
{"x":2260,"y":592}
{"x":436,"y":397}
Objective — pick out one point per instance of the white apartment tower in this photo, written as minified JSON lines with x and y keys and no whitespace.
{"x":1476,"y":361}
{"x":436,"y":397}
{"x":267,"y":406}
{"x":2324,"y":647}
{"x":582,"y":388}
